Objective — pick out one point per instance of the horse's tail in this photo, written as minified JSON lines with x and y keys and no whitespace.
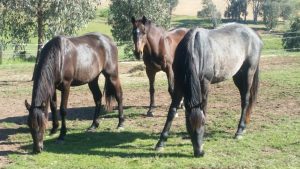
{"x":110,"y":93}
{"x":192,"y":85}
{"x":253,"y":94}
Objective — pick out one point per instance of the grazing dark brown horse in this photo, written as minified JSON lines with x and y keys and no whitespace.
{"x":157,"y":47}
{"x":212,"y":56}
{"x":72,"y":61}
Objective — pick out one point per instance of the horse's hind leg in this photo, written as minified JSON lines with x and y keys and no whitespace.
{"x":151,"y":76}
{"x":244,"y":80}
{"x":114,"y":80}
{"x":53,"y":106}
{"x":97,"y":95}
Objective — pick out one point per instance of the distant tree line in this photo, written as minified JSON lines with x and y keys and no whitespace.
{"x":237,"y":10}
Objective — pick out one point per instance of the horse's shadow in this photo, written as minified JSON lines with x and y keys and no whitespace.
{"x":107,"y":144}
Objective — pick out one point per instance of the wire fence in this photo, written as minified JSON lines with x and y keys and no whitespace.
{"x":12,"y":51}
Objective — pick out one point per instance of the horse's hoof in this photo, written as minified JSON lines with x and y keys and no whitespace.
{"x":91,"y":129}
{"x":150,"y":114}
{"x":52,"y":132}
{"x":199,"y":154}
{"x":60,"y":141}
{"x":120,"y":128}
{"x":186,"y":137}
{"x":238,"y":136}
{"x":159,"y":148}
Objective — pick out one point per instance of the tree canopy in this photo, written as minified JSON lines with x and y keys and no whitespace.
{"x":23,"y":19}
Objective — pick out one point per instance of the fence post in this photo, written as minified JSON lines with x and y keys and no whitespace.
{"x":1,"y":53}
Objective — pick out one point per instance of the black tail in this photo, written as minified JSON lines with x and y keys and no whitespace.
{"x":192,"y":84}
{"x":110,"y":93}
{"x":253,"y":94}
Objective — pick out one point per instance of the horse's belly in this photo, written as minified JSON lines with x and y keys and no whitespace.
{"x":86,"y":74}
{"x":226,"y":69}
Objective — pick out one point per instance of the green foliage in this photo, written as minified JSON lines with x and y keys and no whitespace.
{"x":104,"y":12}
{"x":235,"y":9}
{"x":210,"y":11}
{"x":122,"y":11}
{"x":23,"y":19}
{"x":291,"y":39}
{"x":274,"y":9}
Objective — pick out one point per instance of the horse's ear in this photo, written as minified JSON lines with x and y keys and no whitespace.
{"x":27,"y":105}
{"x":133,"y":20}
{"x":144,"y":20}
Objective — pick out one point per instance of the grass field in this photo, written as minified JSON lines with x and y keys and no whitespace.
{"x":271,"y":141}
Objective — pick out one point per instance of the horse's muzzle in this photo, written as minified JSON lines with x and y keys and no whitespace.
{"x":138,"y":55}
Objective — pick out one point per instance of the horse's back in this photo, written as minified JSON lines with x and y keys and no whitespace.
{"x":84,"y":57}
{"x":220,"y":53}
{"x":234,"y":43}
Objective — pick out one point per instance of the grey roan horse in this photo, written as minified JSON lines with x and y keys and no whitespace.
{"x":211,"y":56}
{"x":72,"y":61}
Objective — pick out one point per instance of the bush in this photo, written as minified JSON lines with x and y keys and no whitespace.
{"x":104,"y":13}
{"x":291,"y":39}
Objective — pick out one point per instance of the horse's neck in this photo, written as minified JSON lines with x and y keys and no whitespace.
{"x":43,"y":87}
{"x":154,"y":36}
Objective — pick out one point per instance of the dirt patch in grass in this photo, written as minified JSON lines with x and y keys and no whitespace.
{"x":223,"y":99}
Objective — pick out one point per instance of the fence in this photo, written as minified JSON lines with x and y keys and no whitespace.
{"x":26,"y":51}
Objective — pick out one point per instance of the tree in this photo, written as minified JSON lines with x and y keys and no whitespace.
{"x":172,"y":5}
{"x":291,"y":39}
{"x":274,"y":9}
{"x":271,"y":12}
{"x":235,"y":9}
{"x":24,"y":19}
{"x":122,"y":11}
{"x":256,"y":8}
{"x":210,"y":11}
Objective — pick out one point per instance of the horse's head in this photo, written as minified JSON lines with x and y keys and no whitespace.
{"x":139,"y":34}
{"x":37,"y":124}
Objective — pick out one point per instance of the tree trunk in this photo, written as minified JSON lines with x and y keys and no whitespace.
{"x":40,"y":23}
{"x":0,"y":54}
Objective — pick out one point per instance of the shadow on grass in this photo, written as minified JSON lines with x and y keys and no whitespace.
{"x":107,"y":144}
{"x":83,"y":113}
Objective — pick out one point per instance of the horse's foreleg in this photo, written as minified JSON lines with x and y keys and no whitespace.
{"x":171,"y":114}
{"x":97,"y":95}
{"x":63,"y":111}
{"x":151,"y":76}
{"x":53,"y":106}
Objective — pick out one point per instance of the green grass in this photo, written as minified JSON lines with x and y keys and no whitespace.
{"x":270,"y":147}
{"x":271,"y":141}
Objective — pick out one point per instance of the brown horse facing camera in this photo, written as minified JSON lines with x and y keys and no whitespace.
{"x":72,"y":61}
{"x":157,"y":47}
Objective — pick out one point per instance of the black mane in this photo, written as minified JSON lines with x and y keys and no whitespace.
{"x":45,"y":73}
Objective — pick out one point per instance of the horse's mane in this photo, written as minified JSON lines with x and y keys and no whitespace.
{"x":43,"y":86}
